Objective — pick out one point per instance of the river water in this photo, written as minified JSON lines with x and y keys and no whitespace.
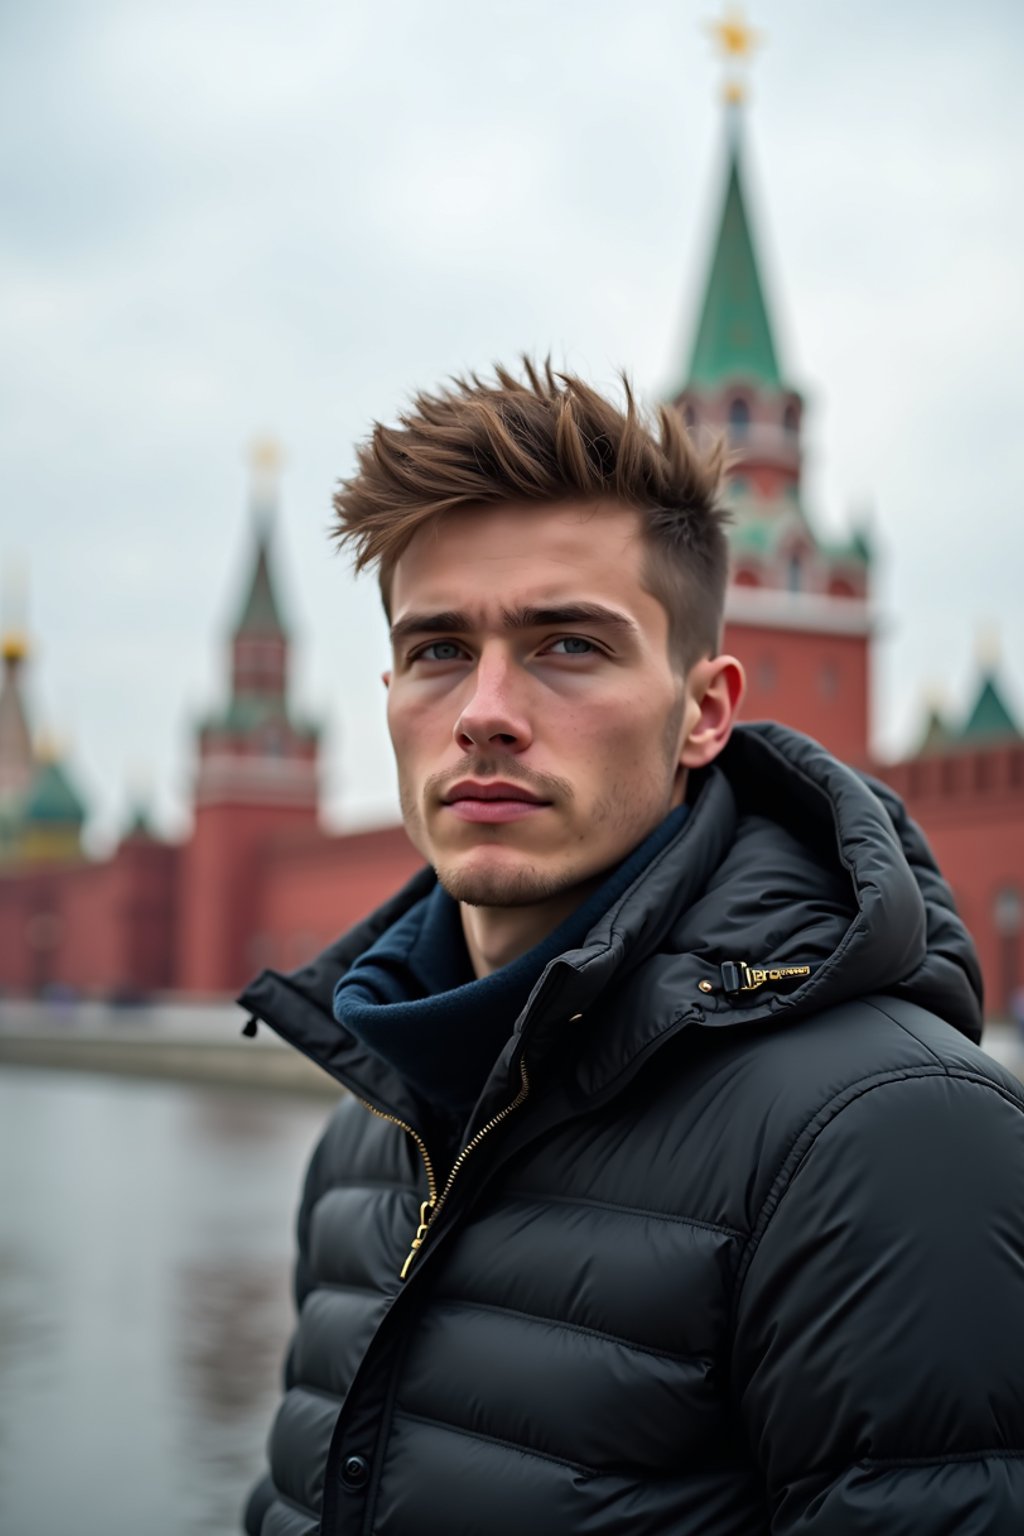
{"x":145,"y":1266}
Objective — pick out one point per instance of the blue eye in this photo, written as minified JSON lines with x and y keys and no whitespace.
{"x":575,"y":645}
{"x":444,"y":650}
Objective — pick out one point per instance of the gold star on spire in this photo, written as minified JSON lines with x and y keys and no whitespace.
{"x":14,"y":638}
{"x":987,"y":648}
{"x":265,"y":459}
{"x":736,"y":41}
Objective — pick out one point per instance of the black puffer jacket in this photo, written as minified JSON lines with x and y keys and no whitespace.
{"x":717,"y":1260}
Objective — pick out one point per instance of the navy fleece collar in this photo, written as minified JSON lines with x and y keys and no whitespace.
{"x":413,"y":1000}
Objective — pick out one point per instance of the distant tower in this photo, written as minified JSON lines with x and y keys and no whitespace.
{"x":256,"y":779}
{"x":41,"y":812}
{"x":797,"y":611}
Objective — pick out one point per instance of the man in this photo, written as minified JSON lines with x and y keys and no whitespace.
{"x":671,"y":1193}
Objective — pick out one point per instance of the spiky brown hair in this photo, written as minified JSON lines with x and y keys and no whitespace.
{"x":549,"y":437}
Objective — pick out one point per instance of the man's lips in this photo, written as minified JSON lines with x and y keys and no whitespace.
{"x":493,"y":801}
{"x":491,"y":789}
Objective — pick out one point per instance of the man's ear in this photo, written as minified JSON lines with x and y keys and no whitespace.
{"x":715,"y":686}
{"x":385,"y":678}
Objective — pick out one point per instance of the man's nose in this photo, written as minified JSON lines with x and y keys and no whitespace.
{"x":494,"y":715}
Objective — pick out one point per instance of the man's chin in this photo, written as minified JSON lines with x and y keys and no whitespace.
{"x":493,"y":883}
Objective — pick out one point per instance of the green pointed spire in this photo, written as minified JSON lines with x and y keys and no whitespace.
{"x":52,"y":798}
{"x":734,"y":337}
{"x":990,"y":719}
{"x":260,"y":614}
{"x":936,"y":736}
{"x":139,"y":825}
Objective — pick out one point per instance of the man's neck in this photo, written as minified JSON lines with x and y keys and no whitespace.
{"x":495,"y":936}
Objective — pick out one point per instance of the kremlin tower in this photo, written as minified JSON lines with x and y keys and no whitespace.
{"x":256,"y":777}
{"x":797,"y":612}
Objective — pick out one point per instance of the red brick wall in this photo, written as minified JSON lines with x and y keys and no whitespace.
{"x":18,"y":962}
{"x":309,"y":895}
{"x":971,"y":808}
{"x":817,"y":683}
{"x":221,"y":892}
{"x":104,"y":929}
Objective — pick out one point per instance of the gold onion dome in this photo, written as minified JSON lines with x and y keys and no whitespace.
{"x":13,"y":646}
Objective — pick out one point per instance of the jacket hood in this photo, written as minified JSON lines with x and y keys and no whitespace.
{"x":795,"y":885}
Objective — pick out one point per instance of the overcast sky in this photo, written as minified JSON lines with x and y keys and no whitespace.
{"x":221,"y":220}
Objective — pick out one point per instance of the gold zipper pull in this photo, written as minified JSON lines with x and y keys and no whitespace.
{"x":430,"y":1208}
{"x":421,"y":1231}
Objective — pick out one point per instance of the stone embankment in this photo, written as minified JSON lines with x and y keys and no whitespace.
{"x":189,"y":1042}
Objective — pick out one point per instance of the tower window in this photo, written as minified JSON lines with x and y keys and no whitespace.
{"x":794,"y":573}
{"x":739,"y":417}
{"x":1007,"y":911}
{"x":791,"y":419}
{"x":839,"y":586}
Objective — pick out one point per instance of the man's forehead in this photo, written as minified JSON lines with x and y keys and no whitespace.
{"x":525,"y":554}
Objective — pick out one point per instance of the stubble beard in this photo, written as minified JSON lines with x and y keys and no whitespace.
{"x":527,"y":884}
{"x":522,"y":887}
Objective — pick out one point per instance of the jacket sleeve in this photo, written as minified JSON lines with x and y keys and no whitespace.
{"x":879,"y":1328}
{"x":263,"y":1495}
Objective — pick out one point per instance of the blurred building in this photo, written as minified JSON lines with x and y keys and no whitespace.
{"x":259,"y":882}
{"x":965,"y":785}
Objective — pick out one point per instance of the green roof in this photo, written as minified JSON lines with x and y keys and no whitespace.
{"x":936,"y":736}
{"x":734,"y":337}
{"x":851,"y":548}
{"x":990,"y":719}
{"x":759,"y":527}
{"x":860,"y":543}
{"x":260,"y":614}
{"x":51,"y":800}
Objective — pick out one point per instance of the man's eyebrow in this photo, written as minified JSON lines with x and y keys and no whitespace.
{"x":451,"y":622}
{"x":567,"y":613}
{"x":447,"y":623}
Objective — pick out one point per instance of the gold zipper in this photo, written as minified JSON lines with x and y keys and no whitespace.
{"x":430,"y":1208}
{"x":431,"y":1200}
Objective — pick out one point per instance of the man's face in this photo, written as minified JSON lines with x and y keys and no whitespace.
{"x":537,"y":719}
